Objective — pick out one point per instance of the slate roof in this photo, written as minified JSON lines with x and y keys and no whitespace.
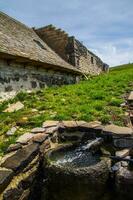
{"x":17,"y":39}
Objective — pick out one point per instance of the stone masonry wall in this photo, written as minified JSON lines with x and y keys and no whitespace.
{"x":71,"y":50}
{"x":83,"y":59}
{"x":15,"y":77}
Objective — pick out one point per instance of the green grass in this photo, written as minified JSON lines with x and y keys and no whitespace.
{"x":98,"y":98}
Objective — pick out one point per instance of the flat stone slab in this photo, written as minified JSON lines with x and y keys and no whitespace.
{"x":69,"y":124}
{"x":21,"y":158}
{"x":38,"y":130}
{"x":25,"y":138}
{"x":123,"y":153}
{"x":11,"y":131}
{"x":14,"y":107}
{"x":130,"y":98}
{"x":5,"y":178}
{"x":50,"y":123}
{"x":88,"y":125}
{"x":14,"y":147}
{"x":117,"y":131}
{"x":51,"y":130}
{"x":40,"y":137}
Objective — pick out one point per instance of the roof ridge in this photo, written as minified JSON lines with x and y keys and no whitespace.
{"x":15,"y":20}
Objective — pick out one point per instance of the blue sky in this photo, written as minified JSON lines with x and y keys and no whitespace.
{"x":104,"y":26}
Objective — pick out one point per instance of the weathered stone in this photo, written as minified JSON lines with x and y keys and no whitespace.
{"x":14,"y":147}
{"x":124,"y":183}
{"x":25,"y":195}
{"x":54,"y":138}
{"x":71,"y":136}
{"x":89,"y":125}
{"x":130,"y":98}
{"x":69,"y":124}
{"x":123,"y":142}
{"x":123,"y":153}
{"x":21,"y":158}
{"x":23,"y":139}
{"x":40,"y":137}
{"x":119,"y":131}
{"x":49,"y":123}
{"x":46,"y":145}
{"x":38,"y":130}
{"x":5,"y":178}
{"x":14,"y":107}
{"x":11,"y":131}
{"x":13,"y":193}
{"x":51,"y":130}
{"x":78,"y":183}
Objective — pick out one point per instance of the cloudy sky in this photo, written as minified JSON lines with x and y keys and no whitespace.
{"x":104,"y":26}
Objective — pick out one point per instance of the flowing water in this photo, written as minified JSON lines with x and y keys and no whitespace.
{"x":78,"y":157}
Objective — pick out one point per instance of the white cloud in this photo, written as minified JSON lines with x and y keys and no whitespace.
{"x":112,"y":54}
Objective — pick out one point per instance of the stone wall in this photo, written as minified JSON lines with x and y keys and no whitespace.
{"x":71,"y":50}
{"x":83,"y":59}
{"x":21,"y":76}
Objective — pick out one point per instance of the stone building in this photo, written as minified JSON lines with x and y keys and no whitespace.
{"x":35,"y":58}
{"x":71,"y":50}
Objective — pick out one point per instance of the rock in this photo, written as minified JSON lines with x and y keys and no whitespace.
{"x":46,"y":145}
{"x":123,"y":105}
{"x":51,"y":130}
{"x":14,"y":147}
{"x":70,"y":136}
{"x":124,"y":164}
{"x":14,"y":107}
{"x":130,"y":98}
{"x":25,"y":195}
{"x":77,"y":183}
{"x":116,"y":167}
{"x":50,"y":123}
{"x":11,"y":131}
{"x":124,"y":183}
{"x":126,"y":142}
{"x":13,"y":193}
{"x":5,"y":178}
{"x":88,"y":126}
{"x":40,"y":137}
{"x":54,"y":138}
{"x":25,"y":138}
{"x":21,"y":158}
{"x":119,"y":131}
{"x":123,"y":153}
{"x":38,"y":130}
{"x":69,"y":124}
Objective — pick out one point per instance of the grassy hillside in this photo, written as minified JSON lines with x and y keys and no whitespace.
{"x":98,"y":98}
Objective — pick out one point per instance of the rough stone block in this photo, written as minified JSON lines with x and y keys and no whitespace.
{"x":14,"y":147}
{"x":40,"y":137}
{"x":119,"y":131}
{"x":5,"y":178}
{"x":21,"y":158}
{"x":50,"y":123}
{"x":23,"y":139}
{"x":38,"y":130}
{"x":123,"y":153}
{"x":14,"y":107}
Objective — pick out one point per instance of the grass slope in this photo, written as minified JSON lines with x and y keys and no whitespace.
{"x":98,"y":98}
